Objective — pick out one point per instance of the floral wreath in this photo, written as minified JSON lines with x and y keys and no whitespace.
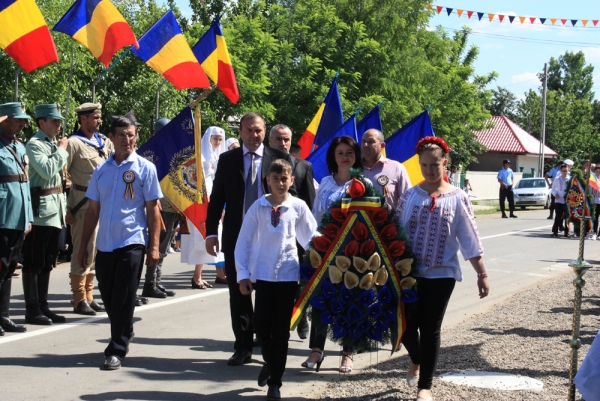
{"x":434,"y":140}
{"x":575,"y":201}
{"x":356,"y":275}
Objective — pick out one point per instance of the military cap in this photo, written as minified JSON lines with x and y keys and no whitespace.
{"x":160,"y":123}
{"x":48,"y":111}
{"x":13,"y":110}
{"x":131,"y":116}
{"x":88,"y":108}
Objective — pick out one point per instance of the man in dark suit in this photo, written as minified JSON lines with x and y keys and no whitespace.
{"x":280,"y":138}
{"x":240,"y":179}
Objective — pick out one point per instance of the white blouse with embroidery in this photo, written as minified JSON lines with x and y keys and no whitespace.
{"x":437,"y":229}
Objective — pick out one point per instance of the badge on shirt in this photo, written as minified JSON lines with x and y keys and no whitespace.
{"x":129,"y":178}
{"x":383,"y":180}
{"x":25,"y":160}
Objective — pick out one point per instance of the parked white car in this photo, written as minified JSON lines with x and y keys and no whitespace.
{"x":532,"y":192}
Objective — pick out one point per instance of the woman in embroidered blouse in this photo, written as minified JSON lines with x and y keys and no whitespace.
{"x":439,"y":220}
{"x":342,"y":155}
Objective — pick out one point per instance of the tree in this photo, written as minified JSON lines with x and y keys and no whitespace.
{"x":569,"y":74}
{"x":504,"y":103}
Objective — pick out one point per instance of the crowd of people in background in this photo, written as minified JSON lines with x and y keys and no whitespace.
{"x":264,"y":208}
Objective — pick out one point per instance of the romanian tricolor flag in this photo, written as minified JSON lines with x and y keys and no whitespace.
{"x":99,"y":26}
{"x":24,"y":34}
{"x":211,"y":52}
{"x":164,"y":48}
{"x":174,"y":150}
{"x":402,"y":145}
{"x":325,"y":123}
{"x":594,"y":183}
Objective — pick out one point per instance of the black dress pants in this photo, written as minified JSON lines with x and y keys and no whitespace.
{"x":596,"y":215}
{"x":240,"y":307}
{"x":11,"y":242}
{"x":424,"y":346}
{"x":154,"y":273}
{"x":507,"y":194}
{"x":272,"y":316}
{"x":40,"y":249}
{"x":559,"y":218}
{"x":118,"y":273}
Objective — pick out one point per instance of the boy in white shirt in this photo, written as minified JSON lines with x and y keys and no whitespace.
{"x":266,"y":259}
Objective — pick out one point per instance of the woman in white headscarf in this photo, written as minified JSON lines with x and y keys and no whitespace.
{"x":193,"y":250}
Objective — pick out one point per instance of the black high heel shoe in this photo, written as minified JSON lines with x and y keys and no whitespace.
{"x":310,"y":365}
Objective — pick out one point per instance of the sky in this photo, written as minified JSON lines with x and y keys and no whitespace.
{"x":517,"y":52}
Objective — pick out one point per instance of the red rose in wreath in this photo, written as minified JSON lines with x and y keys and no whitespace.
{"x":356,"y":188}
{"x":360,"y":231}
{"x":396,"y":248}
{"x":322,"y":243}
{"x":351,"y":249}
{"x":389,"y":232}
{"x":380,"y":216}
{"x":367,"y":248}
{"x":331,"y":230}
{"x":338,"y":214}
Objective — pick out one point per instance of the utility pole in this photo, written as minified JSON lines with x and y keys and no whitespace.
{"x":543,"y":130}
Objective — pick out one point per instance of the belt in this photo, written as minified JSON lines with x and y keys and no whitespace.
{"x":79,"y":187}
{"x":13,"y":178}
{"x":50,"y":191}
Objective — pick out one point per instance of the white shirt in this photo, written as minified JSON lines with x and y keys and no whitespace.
{"x":265,"y":252}
{"x":329,"y":191}
{"x":559,"y":187}
{"x":436,"y":236}
{"x":257,"y":163}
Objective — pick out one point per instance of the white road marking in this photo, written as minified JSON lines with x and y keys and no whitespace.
{"x":93,"y":319}
{"x":515,"y":232}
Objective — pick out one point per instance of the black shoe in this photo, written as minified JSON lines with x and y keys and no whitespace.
{"x":151,"y":291}
{"x":263,"y":376}
{"x":255,"y":343}
{"x":112,"y":362}
{"x":97,"y":307}
{"x":550,"y":217}
{"x":512,"y":216}
{"x":302,"y":328}
{"x":83,"y":308}
{"x":1,"y":332}
{"x":504,"y":216}
{"x":163,"y":289}
{"x":240,"y":357}
{"x":53,"y":316}
{"x":138,"y":301}
{"x":273,"y":393}
{"x":10,"y":326}
{"x":144,"y":300}
{"x":35,"y":316}
{"x":555,"y":235}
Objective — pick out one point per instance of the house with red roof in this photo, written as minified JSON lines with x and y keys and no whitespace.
{"x":509,"y":141}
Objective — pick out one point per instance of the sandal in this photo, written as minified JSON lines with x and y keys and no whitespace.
{"x":207,"y":284}
{"x":308,"y":364}
{"x":197,"y":286}
{"x":346,"y":368}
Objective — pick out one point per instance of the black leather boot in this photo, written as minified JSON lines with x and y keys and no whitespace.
{"x":163,"y":289}
{"x":5,"y":323}
{"x":43,"y":285}
{"x":33,"y":313}
{"x":151,"y":291}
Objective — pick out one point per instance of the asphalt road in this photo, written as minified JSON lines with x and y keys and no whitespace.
{"x":182,"y":343}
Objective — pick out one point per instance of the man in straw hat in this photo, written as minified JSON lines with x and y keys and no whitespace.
{"x":16,"y":216}
{"x":47,"y":157}
{"x":87,"y":149}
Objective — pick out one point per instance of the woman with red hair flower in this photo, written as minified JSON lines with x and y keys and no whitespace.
{"x":439,"y":221}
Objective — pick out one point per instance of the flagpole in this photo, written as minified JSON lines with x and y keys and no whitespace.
{"x":17,"y":71}
{"x":203,"y":95}
{"x":110,"y":67}
{"x":158,"y":99}
{"x":69,"y":90}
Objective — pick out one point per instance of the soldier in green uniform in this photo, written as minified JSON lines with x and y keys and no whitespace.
{"x":16,"y":215}
{"x":87,"y":149}
{"x":47,"y":158}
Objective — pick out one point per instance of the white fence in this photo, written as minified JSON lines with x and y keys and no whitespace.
{"x":485,"y":185}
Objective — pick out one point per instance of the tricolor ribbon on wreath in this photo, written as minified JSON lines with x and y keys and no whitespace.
{"x":577,"y":203}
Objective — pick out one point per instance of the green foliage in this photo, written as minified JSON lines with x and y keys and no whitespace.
{"x":569,"y":74}
{"x":504,"y":103}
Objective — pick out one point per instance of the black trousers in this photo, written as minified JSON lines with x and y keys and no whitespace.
{"x":552,"y":204}
{"x":240,"y":307}
{"x":507,"y":194}
{"x":596,"y":215}
{"x":118,"y":273}
{"x":559,"y":218}
{"x":154,"y":273}
{"x":11,"y":242}
{"x":424,"y":346}
{"x":272,"y":316}
{"x":40,"y":249}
